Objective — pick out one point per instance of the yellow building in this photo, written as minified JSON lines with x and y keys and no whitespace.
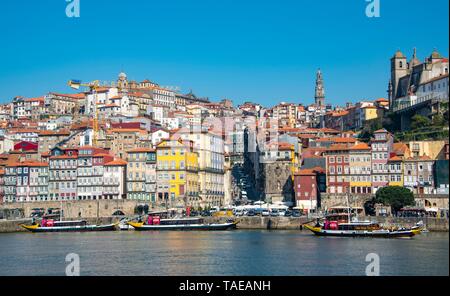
{"x":210,"y":148}
{"x":433,"y":149}
{"x":395,"y":168}
{"x":177,"y":173}
{"x":360,"y":161}
{"x":289,"y":149}
{"x":370,"y":112}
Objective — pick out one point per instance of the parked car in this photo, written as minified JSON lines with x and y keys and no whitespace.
{"x":206,"y":214}
{"x":37,"y":212}
{"x":251,"y":213}
{"x":265,"y":213}
{"x":194,"y":213}
{"x":239,"y":213}
{"x":296,"y":213}
{"x":274,"y":213}
{"x":258,"y":212}
{"x":288,"y":214}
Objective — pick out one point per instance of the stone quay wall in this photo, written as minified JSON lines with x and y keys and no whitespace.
{"x":10,"y":226}
{"x":358,"y":200}
{"x":76,"y":209}
{"x":289,"y":223}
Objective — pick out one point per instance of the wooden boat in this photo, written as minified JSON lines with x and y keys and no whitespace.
{"x":67,"y":226}
{"x":362,"y":229}
{"x":124,"y":226}
{"x":154,"y":223}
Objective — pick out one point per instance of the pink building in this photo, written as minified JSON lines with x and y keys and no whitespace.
{"x":307,"y":189}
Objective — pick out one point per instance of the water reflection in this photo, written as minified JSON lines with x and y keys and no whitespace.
{"x":219,"y":253}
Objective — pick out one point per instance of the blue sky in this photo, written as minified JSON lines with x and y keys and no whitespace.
{"x":258,"y":50}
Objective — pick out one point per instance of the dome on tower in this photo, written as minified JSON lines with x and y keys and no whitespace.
{"x":122,"y":76}
{"x":399,"y":54}
{"x":435,"y":54}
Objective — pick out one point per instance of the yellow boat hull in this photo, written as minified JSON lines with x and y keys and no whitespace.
{"x":319,"y":231}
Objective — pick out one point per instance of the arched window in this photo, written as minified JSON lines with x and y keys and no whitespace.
{"x":400,"y":64}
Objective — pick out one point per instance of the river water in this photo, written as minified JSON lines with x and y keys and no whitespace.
{"x":239,"y":252}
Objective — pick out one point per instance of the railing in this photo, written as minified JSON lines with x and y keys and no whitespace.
{"x":410,"y":101}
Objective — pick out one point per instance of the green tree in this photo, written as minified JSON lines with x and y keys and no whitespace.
{"x":369,"y":207}
{"x":438,"y":120}
{"x":395,"y":196}
{"x":365,"y":136}
{"x":419,"y":121}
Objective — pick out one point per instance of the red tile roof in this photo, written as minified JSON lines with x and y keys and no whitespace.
{"x":360,"y":146}
{"x":119,"y":162}
{"x":140,"y":150}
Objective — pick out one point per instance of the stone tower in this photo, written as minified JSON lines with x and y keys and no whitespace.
{"x":399,"y":68}
{"x":122,"y":82}
{"x":320,"y":90}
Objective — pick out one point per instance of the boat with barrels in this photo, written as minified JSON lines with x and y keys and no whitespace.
{"x":335,"y":225}
{"x":156,"y":223}
{"x":49,"y":225}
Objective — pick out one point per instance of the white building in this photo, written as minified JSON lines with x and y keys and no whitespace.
{"x":158,"y":135}
{"x":114,"y":184}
